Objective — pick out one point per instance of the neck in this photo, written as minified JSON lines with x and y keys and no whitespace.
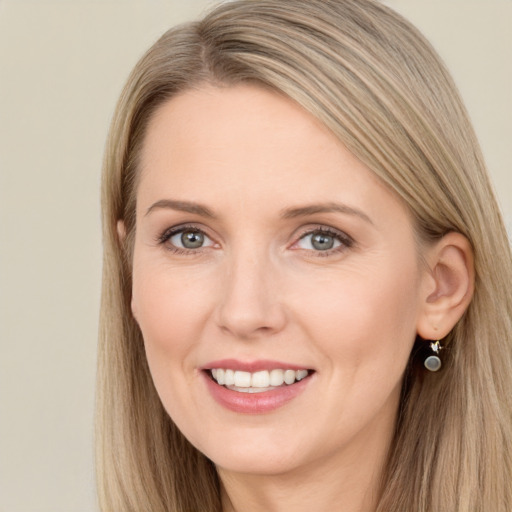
{"x":349,"y":482}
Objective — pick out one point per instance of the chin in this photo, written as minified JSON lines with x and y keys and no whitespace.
{"x":256,"y":462}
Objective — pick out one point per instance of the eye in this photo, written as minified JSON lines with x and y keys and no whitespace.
{"x":184,"y":238}
{"x":318,"y":241}
{"x":188,"y":239}
{"x":323,"y":240}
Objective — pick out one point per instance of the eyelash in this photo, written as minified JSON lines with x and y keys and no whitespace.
{"x":163,"y":238}
{"x":346,"y":242}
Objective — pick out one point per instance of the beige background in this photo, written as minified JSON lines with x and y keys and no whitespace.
{"x":62,"y":65}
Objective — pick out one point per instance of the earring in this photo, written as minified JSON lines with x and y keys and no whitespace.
{"x":433,"y":362}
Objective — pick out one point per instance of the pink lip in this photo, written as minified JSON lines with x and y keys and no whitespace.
{"x":253,"y":403}
{"x":251,"y":366}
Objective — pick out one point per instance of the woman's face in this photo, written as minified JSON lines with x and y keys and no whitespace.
{"x":266,"y":252}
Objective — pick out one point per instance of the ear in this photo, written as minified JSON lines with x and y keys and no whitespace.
{"x":121,"y":231}
{"x":448,"y":286}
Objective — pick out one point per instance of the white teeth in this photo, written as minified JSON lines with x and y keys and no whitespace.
{"x":242,"y":379}
{"x":257,"y":381}
{"x":301,"y":374}
{"x":276,"y":378}
{"x":229,"y":377}
{"x":260,"y":380}
{"x":289,"y":376}
{"x":249,"y":390}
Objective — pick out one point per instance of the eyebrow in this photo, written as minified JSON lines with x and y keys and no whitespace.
{"x":291,"y":213}
{"x":182,"y":206}
{"x":287,"y":213}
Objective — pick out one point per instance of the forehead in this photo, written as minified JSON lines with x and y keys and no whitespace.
{"x":248,"y":143}
{"x":240,"y":119}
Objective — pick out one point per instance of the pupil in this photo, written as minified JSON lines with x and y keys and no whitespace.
{"x":322,"y":242}
{"x":192,"y":239}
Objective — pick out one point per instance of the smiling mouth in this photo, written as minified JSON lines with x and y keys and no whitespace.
{"x":257,"y":382}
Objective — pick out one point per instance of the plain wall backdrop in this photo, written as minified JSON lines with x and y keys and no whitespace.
{"x":62,"y":66}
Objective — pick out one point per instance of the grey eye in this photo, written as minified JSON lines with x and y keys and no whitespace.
{"x":322,"y":242}
{"x":319,"y":241}
{"x":190,"y":239}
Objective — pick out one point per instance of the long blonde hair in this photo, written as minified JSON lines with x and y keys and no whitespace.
{"x":375,"y":82}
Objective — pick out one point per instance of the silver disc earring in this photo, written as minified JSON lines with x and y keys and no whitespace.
{"x":433,"y":362}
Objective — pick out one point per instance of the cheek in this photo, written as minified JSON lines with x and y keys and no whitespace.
{"x":364,"y":319}
{"x":170,"y":310}
{"x":170,"y":314}
{"x":364,"y":327}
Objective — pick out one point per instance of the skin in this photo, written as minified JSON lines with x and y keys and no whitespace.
{"x":257,"y":289}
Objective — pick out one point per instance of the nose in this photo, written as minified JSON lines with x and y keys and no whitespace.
{"x":250,"y":305}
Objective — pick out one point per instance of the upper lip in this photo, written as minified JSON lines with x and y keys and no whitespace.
{"x":253,"y":366}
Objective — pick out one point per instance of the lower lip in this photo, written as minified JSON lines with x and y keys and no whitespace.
{"x":255,"y":403}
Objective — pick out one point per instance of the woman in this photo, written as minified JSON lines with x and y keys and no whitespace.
{"x":299,"y":231}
